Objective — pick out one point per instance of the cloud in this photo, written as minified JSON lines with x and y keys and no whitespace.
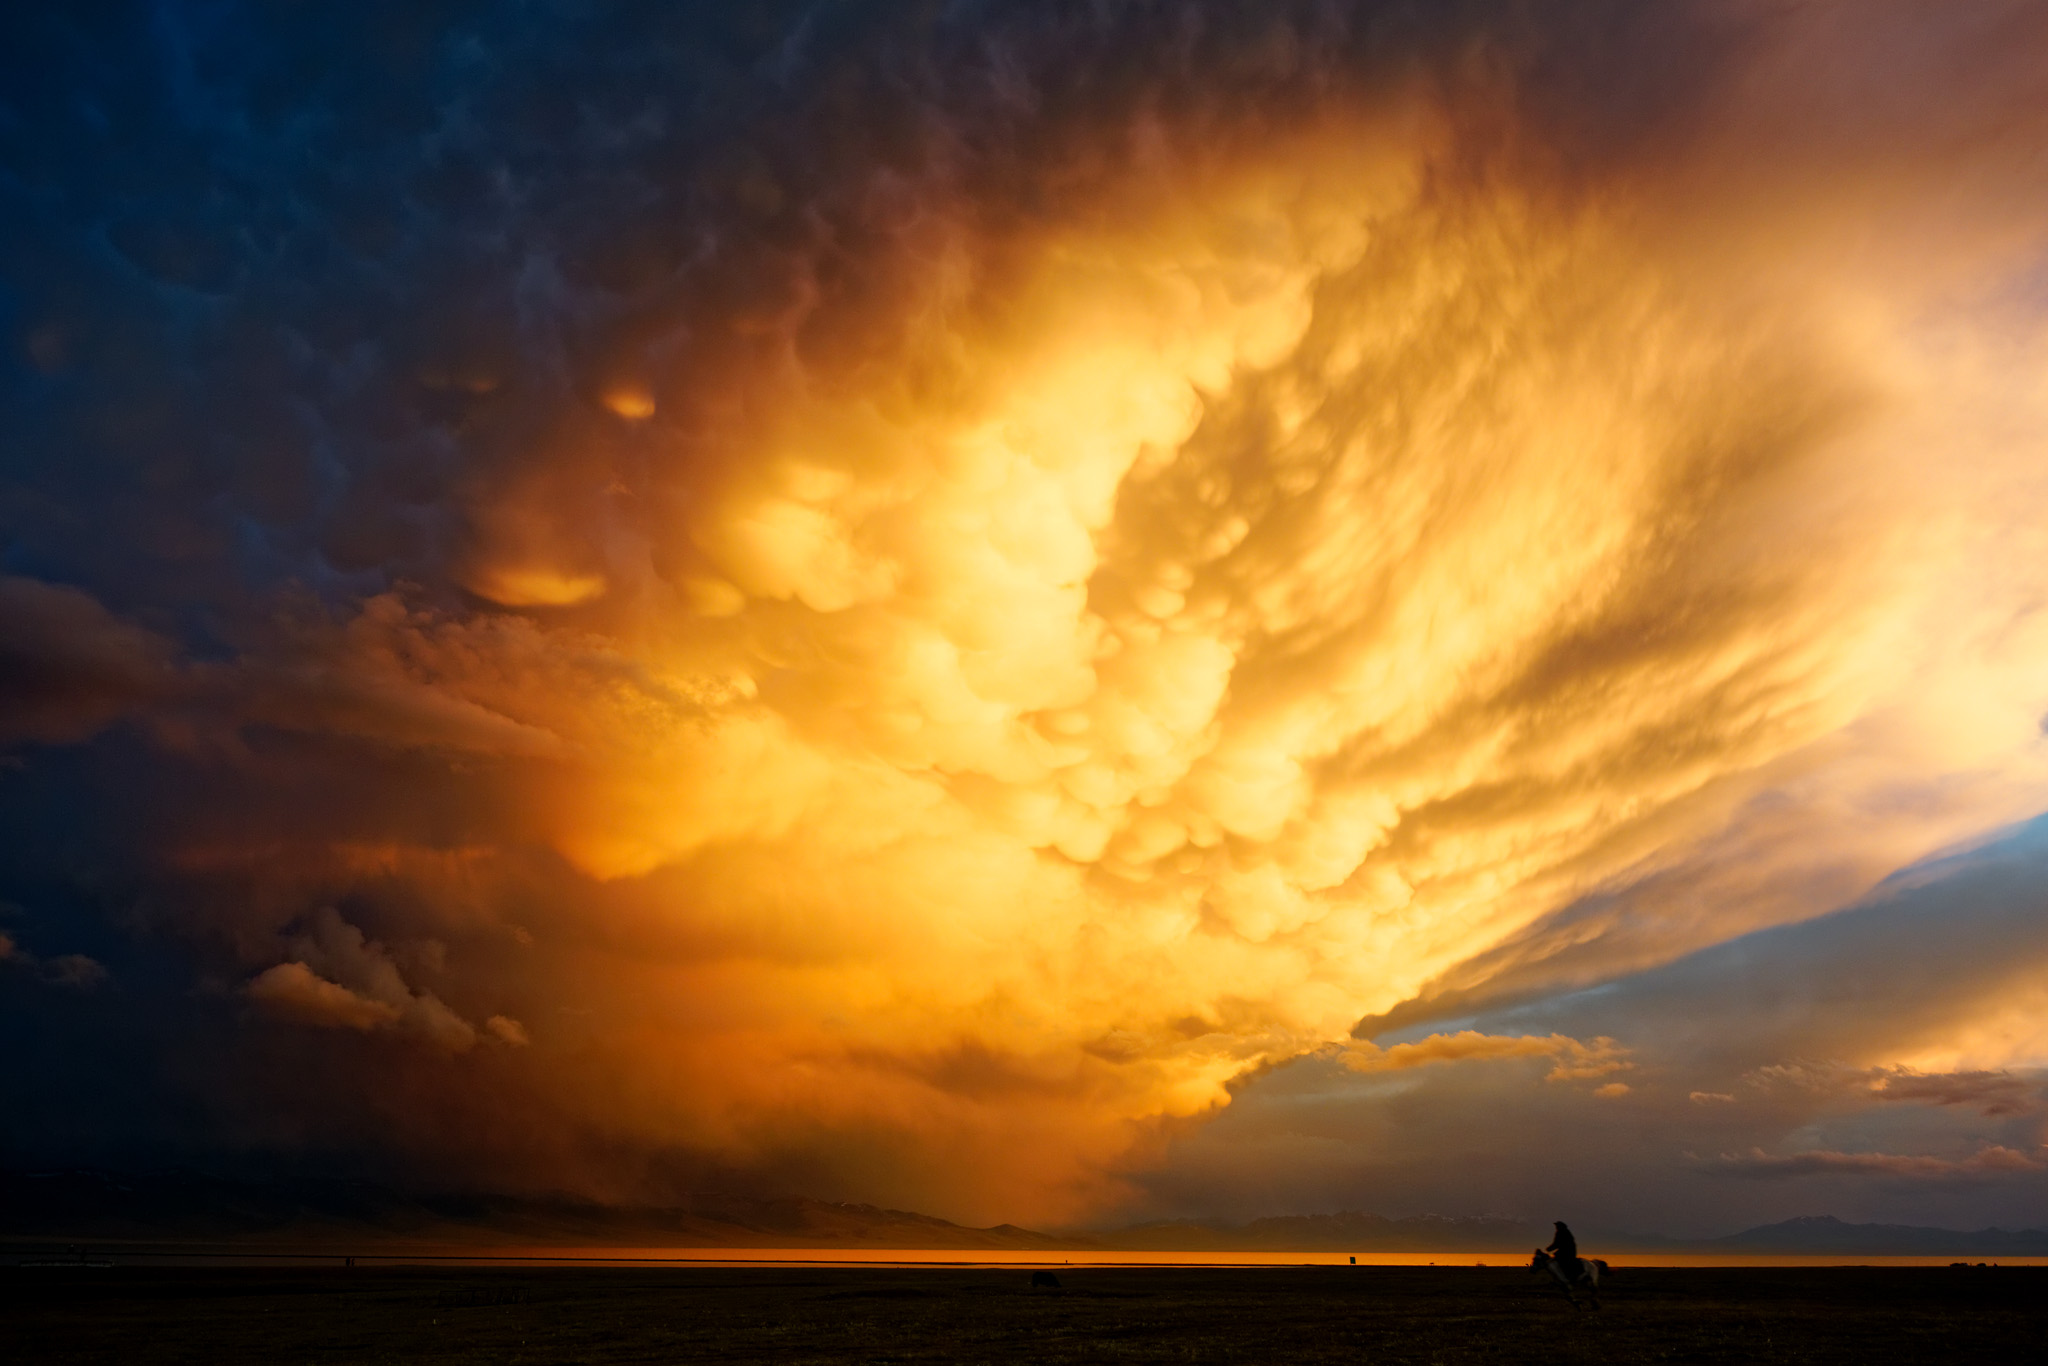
{"x":507,"y":1031}
{"x":68,"y":667}
{"x":1571,"y":1059}
{"x":1993,"y":1161}
{"x":75,"y":970}
{"x":934,"y":592}
{"x":1783,"y":1042}
{"x":339,"y":978}
{"x":385,"y":676}
{"x":296,"y":992}
{"x":1819,"y":1077}
{"x":1989,"y":1093}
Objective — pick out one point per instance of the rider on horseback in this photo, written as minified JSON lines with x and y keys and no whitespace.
{"x":1567,"y":1249}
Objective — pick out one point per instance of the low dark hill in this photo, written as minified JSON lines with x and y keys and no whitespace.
{"x":189,"y":1206}
{"x":1822,"y":1234}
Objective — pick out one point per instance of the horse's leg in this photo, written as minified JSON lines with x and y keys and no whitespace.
{"x":1564,"y":1282}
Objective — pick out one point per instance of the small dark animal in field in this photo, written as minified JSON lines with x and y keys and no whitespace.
{"x":1586,"y":1278}
{"x":1046,"y":1279}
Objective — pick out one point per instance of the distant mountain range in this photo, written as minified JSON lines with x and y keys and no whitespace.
{"x":189,"y":1207}
{"x":186,"y":1207}
{"x":1824,"y":1234}
{"x":1813,"y":1235}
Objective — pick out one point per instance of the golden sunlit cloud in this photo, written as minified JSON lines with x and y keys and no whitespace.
{"x":630,"y":401}
{"x":510,"y":586}
{"x":1231,"y":618}
{"x":1572,"y":1060}
{"x":1005,"y":639}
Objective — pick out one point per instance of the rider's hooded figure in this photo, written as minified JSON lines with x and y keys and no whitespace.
{"x":1566,"y":1247}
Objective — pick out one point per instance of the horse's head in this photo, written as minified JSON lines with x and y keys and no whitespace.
{"x":1539,"y":1259}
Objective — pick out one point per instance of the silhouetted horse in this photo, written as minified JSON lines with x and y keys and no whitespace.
{"x":1587,"y":1277}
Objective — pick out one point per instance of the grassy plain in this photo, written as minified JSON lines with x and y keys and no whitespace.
{"x":796,"y":1315}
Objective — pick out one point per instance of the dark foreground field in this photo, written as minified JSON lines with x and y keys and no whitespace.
{"x":797,"y":1315}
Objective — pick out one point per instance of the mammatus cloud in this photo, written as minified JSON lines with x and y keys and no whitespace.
{"x":1072,"y":556}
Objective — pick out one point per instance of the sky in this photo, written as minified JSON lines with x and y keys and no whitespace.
{"x":1055,"y":612}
